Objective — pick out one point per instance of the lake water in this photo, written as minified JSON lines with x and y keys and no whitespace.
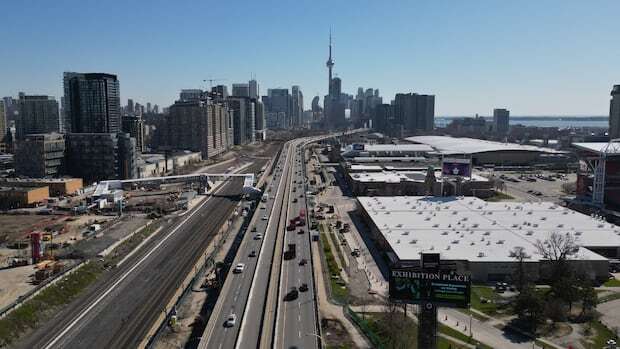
{"x":538,"y":122}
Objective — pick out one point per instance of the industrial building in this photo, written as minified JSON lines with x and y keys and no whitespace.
{"x":375,"y":180}
{"x":479,"y":237}
{"x":56,"y":186}
{"x":18,"y":197}
{"x":484,"y":152}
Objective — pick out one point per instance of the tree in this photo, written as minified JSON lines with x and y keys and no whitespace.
{"x":520,"y":277}
{"x":587,"y":296}
{"x":530,"y":306}
{"x":557,"y":249}
{"x":430,"y":180}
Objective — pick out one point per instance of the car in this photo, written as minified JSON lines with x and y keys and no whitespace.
{"x":254,"y":229}
{"x":301,"y":231}
{"x":292,"y":294}
{"x":303,"y":288}
{"x":265,"y":217}
{"x":258,"y":236}
{"x":294,"y":200}
{"x":231,"y":320}
{"x":239,"y":268}
{"x":303,"y":261}
{"x":253,"y":253}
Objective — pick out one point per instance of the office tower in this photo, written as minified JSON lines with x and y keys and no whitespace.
{"x":243,"y":111}
{"x":414,"y":112}
{"x":278,"y":101}
{"x":297,"y":106}
{"x":40,"y":155}
{"x":3,"y":124}
{"x":101,"y":156}
{"x":130,"y":107}
{"x":37,"y":114}
{"x":198,"y":125}
{"x":614,"y":113}
{"x":155,"y":109}
{"x":240,"y":90}
{"x":148,"y":108}
{"x":220,"y":91}
{"x":188,"y":95}
{"x":501,"y":121}
{"x":92,"y":103}
{"x":253,"y":86}
{"x":259,"y":120}
{"x":134,"y":125}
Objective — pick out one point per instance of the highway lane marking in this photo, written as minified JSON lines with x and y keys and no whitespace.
{"x":123,"y":277}
{"x":261,"y":260}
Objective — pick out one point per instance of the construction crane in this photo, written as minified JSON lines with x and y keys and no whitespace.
{"x":211,"y":81}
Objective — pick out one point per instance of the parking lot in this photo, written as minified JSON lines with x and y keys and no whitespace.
{"x":533,"y":186}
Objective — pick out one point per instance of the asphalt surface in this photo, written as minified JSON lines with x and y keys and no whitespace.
{"x":296,"y":321}
{"x":236,"y":289}
{"x":119,"y":310}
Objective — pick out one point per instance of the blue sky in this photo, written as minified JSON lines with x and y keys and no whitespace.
{"x":537,"y":57}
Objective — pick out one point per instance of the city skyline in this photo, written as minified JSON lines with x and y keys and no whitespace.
{"x":529,"y":58}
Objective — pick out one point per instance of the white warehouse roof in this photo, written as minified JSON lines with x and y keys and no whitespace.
{"x":397,"y":148}
{"x":469,"y":228}
{"x":463,"y":145}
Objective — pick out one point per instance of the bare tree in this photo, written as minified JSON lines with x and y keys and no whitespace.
{"x":557,"y":248}
{"x":520,"y":277}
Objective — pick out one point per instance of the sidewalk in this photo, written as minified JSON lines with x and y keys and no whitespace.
{"x":329,"y":310}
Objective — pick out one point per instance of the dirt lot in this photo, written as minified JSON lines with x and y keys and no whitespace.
{"x":16,"y":227}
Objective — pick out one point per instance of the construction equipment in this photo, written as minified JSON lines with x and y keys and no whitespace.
{"x":211,"y":80}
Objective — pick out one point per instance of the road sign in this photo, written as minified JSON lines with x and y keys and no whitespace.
{"x":447,"y":289}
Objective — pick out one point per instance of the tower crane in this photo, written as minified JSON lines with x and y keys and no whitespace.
{"x":211,"y":80}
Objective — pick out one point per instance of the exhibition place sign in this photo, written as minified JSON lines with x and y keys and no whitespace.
{"x":434,"y":276}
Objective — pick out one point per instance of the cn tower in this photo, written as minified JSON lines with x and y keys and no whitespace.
{"x":330,"y":64}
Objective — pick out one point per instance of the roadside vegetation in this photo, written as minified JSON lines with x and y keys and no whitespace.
{"x":339,"y":291}
{"x":499,"y":196}
{"x":48,"y":302}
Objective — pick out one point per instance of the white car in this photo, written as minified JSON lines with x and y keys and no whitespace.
{"x":258,"y":236}
{"x":239,"y":268}
{"x":231,"y":320}
{"x":265,"y":217}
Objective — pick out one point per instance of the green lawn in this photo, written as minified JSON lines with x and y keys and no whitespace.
{"x":461,"y":336}
{"x":339,"y":293}
{"x":479,"y":292}
{"x":612,"y":283}
{"x":601,"y":335}
{"x":609,"y":297}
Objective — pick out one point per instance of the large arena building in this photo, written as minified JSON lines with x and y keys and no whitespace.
{"x":480,"y":237}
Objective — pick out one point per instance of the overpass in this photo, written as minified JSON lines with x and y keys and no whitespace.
{"x":207,"y":179}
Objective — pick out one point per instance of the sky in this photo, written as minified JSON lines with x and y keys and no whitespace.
{"x":534,"y":57}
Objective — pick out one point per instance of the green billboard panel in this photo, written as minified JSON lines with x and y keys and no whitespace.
{"x":446,"y":289}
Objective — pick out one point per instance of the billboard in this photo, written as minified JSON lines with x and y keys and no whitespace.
{"x":442,"y":288}
{"x":456,"y":167}
{"x":358,"y":146}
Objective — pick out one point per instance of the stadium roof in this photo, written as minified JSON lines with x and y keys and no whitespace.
{"x":451,"y":145}
{"x":404,"y":176}
{"x":609,"y":148}
{"x":469,"y":228}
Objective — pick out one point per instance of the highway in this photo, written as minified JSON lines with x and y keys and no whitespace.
{"x":256,"y":296}
{"x":123,"y":305}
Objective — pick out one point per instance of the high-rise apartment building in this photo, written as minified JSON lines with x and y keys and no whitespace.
{"x":240,"y":90}
{"x":415,"y":112}
{"x":3,"y":125}
{"x":101,"y":156}
{"x":220,"y":91}
{"x":243,"y":115}
{"x":134,"y":125}
{"x":199,"y":125}
{"x":40,"y":155}
{"x":382,"y":118}
{"x":614,"y":113}
{"x":130,"y":107}
{"x":501,"y":119}
{"x":259,"y":120}
{"x":278,"y":100}
{"x":297,"y":106}
{"x":92,"y":103}
{"x":37,"y":114}
{"x":188,"y":95}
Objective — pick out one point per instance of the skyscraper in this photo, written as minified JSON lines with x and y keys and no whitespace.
{"x":278,"y":102}
{"x":254,"y":92}
{"x":501,"y":121}
{"x":243,"y":111}
{"x":148,"y":108}
{"x":415,"y":112}
{"x":297,"y":106}
{"x":614,"y":113}
{"x":92,"y":103}
{"x":130,"y":106}
{"x":37,"y":114}
{"x":3,"y":124}
{"x":333,"y":102}
{"x":220,"y":90}
{"x":241,"y":90}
